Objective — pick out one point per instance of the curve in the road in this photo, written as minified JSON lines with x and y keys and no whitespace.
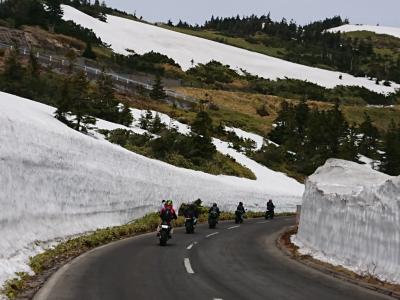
{"x":230,"y":263}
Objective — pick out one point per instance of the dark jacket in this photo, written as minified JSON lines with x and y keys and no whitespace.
{"x":270,"y":205}
{"x":215,"y":209}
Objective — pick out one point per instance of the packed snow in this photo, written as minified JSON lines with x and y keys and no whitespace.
{"x":393,"y":31}
{"x":350,"y":216}
{"x":123,"y":34}
{"x":56,"y":182}
{"x":257,"y":139}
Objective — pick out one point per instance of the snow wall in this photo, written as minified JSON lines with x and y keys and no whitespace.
{"x":351,"y":217}
{"x":56,"y":182}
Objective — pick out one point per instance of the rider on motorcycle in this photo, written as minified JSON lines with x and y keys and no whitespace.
{"x":191,"y":212}
{"x":270,"y":205}
{"x":214,"y":209}
{"x":240,"y":211}
{"x":167,"y":214}
{"x":240,"y":208}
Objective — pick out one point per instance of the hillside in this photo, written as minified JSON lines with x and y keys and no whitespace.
{"x":184,"y":49}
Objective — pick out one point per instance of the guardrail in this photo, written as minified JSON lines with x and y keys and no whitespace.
{"x":64,"y":62}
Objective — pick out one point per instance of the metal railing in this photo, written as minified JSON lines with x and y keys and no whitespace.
{"x":118,"y":78}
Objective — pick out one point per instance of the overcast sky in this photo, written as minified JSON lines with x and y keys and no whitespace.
{"x":371,"y":12}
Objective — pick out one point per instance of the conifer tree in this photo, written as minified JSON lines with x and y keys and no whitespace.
{"x":12,"y":67}
{"x":156,"y":124}
{"x":34,"y":67}
{"x":145,"y":120}
{"x":55,"y":12}
{"x":369,"y":143}
{"x":391,"y":157}
{"x":88,"y":52}
{"x":158,"y":92}
{"x":76,"y":102}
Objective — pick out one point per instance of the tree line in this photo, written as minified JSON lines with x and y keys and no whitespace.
{"x":308,"y":137}
{"x":78,"y":100}
{"x":310,"y":44}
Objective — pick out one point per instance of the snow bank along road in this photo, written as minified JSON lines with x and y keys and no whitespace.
{"x":124,"y":34}
{"x":229,"y":262}
{"x":350,"y":217}
{"x":56,"y":182}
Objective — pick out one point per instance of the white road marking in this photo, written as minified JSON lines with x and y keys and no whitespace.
{"x":233,"y":227}
{"x":190,"y":246}
{"x":188,"y":267}
{"x":218,"y":299}
{"x":211,"y":234}
{"x":263,"y":222}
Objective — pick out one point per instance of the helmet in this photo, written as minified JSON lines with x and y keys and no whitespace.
{"x":163,"y":201}
{"x":240,"y":203}
{"x":215,"y":204}
{"x":169,"y":202}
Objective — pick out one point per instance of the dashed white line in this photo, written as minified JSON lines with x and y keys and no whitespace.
{"x":263,"y":222}
{"x":211,"y":234}
{"x":188,"y":267}
{"x":233,"y":227}
{"x":190,"y":246}
{"x":218,"y":299}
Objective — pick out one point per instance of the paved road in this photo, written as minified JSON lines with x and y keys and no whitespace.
{"x":230,"y":263}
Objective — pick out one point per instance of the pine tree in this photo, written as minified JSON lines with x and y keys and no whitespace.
{"x":158,"y":92}
{"x":156,"y":124}
{"x":88,"y":52}
{"x":348,"y":149}
{"x":54,"y":12}
{"x":201,"y":140}
{"x":145,"y":120}
{"x":369,"y":143}
{"x":105,"y":104}
{"x":125,"y":116}
{"x":202,"y":124}
{"x":13,"y":70}
{"x":391,"y":158}
{"x":77,"y":102}
{"x":34,"y":67}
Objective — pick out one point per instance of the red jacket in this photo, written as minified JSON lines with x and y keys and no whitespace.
{"x":167,"y":214}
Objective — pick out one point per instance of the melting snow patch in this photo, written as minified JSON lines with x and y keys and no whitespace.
{"x":124,"y":34}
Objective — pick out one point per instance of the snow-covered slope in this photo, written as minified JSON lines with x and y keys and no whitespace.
{"x":56,"y":182}
{"x":393,"y":31}
{"x":125,"y":34}
{"x":350,"y":217}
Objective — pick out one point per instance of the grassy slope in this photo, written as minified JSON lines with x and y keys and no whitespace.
{"x":239,"y":109}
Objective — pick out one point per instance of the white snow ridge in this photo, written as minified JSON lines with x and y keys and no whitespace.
{"x":56,"y":182}
{"x":124,"y":34}
{"x":350,"y":217}
{"x":393,"y":31}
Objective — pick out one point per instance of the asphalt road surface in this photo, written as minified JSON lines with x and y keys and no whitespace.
{"x":230,"y":262}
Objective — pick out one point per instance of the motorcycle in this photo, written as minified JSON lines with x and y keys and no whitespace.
{"x":239,"y":216}
{"x":269,"y":214}
{"x":164,"y":234}
{"x":212,"y":219}
{"x":189,"y":225}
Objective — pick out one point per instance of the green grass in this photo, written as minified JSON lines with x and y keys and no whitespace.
{"x":219,"y":165}
{"x":381,"y":117}
{"x":65,"y":251}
